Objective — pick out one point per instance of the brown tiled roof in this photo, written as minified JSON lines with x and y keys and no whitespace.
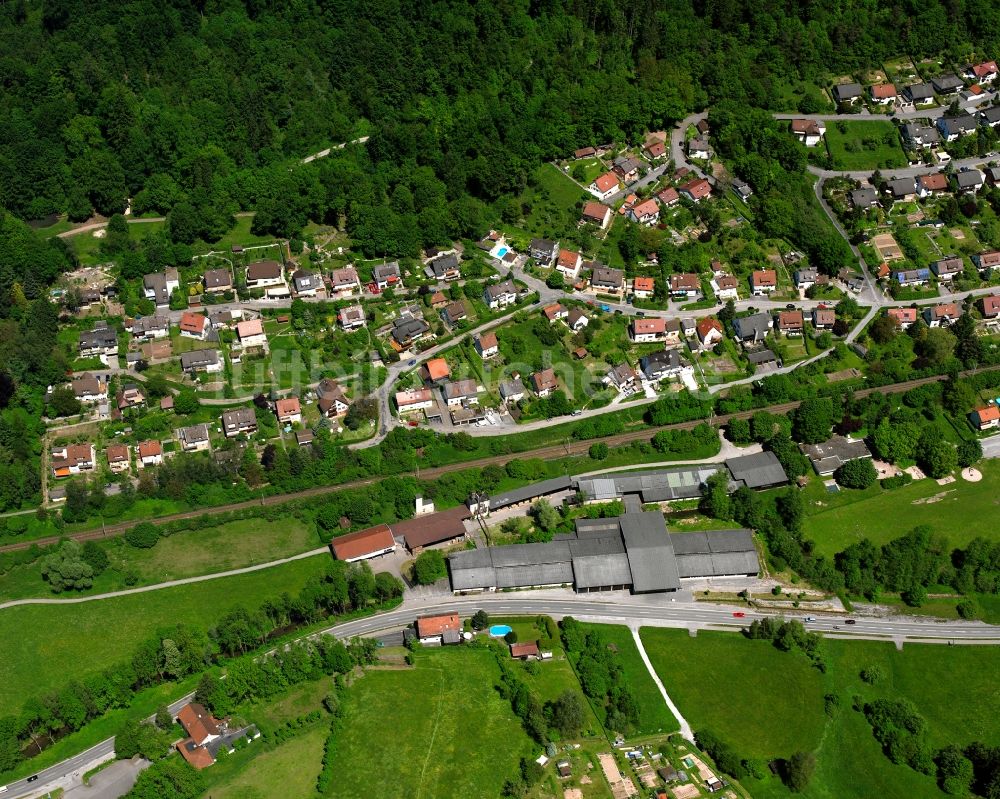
{"x":363,"y":542}
{"x":287,"y":407}
{"x":527,"y":649}
{"x":436,"y":625}
{"x":432,"y":528}
{"x":197,"y":722}
{"x":150,"y":449}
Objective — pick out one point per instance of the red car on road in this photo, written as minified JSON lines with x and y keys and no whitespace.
{"x":739,"y":614}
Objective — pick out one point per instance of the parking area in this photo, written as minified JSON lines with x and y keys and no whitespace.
{"x":114,"y":781}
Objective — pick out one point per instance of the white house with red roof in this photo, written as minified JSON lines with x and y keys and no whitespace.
{"x":643,"y":331}
{"x":986,"y":72}
{"x":604,"y":186}
{"x":595,"y":213}
{"x":696,"y":190}
{"x":645,"y":213}
{"x":568,"y":262}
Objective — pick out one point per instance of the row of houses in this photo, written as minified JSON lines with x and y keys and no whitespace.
{"x":946,"y":86}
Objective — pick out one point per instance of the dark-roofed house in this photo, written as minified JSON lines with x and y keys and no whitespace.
{"x":762,"y":360}
{"x":102,"y":340}
{"x":217,"y":280}
{"x":387,"y":274}
{"x":160,"y":285}
{"x":753,"y":328}
{"x":454,"y":312}
{"x":947,"y":268}
{"x":922,"y":136}
{"x":919,"y":92}
{"x":829,"y":456}
{"x":193,"y":438}
{"x":912,"y":277}
{"x":500,"y":295}
{"x":987,"y":261}
{"x":306,"y":283}
{"x":446,"y":267}
{"x":150,"y":327}
{"x":863,"y":198}
{"x":408,"y":330}
{"x":952,"y":128}
{"x":990,"y":117}
{"x":808,"y":131}
{"x":201,"y":361}
{"x":543,"y":250}
{"x":903,"y":189}
{"x":847,"y":92}
{"x":947,"y":84}
{"x":609,"y":280}
{"x":662,"y":365}
{"x":364,"y":544}
{"x":332,"y":401}
{"x":267,"y":276}
{"x":969,"y":180}
{"x":760,"y":470}
{"x":239,"y":420}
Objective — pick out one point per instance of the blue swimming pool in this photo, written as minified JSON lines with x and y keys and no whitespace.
{"x":501,"y":252}
{"x":499,"y":630}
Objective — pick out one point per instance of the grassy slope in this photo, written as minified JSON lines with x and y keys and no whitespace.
{"x":287,"y":770}
{"x":56,"y":643}
{"x":770,"y":704}
{"x":884,"y":515}
{"x":436,"y":730}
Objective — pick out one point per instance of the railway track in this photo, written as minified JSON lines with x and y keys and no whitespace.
{"x":553,"y":451}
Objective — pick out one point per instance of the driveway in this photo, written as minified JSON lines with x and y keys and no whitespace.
{"x":116,"y":780}
{"x":991,"y":447}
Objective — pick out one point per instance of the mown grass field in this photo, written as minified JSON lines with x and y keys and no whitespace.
{"x":49,"y":645}
{"x":864,"y":144}
{"x":289,"y":769}
{"x":881,"y":516}
{"x":436,"y":730}
{"x":768,"y":704}
{"x":654,"y":715}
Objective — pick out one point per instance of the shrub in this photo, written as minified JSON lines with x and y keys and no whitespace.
{"x":897,"y":481}
{"x":143,"y":536}
{"x":429,"y":567}
{"x":859,"y":473}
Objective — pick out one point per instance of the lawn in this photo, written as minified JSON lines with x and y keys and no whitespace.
{"x":864,"y":144}
{"x":551,"y":197}
{"x":883,"y":515}
{"x":438,"y":729}
{"x":654,"y":715}
{"x":766,"y":704}
{"x":289,"y":769}
{"x":56,"y":643}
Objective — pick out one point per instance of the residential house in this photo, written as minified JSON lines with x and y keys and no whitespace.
{"x":903,"y":189}
{"x":568,"y":262}
{"x":643,"y":287}
{"x":306,"y":283}
{"x":87,"y":388}
{"x":987,"y":261}
{"x":596,"y":214}
{"x":454,"y":312}
{"x":414,"y":399}
{"x":947,"y":84}
{"x":627,"y":168}
{"x":699,"y":148}
{"x":72,"y":459}
{"x":288,"y":410}
{"x":763,"y":282}
{"x":194,"y":438}
{"x":655,"y":150}
{"x":102,"y":340}
{"x":407,"y":330}
{"x":645,"y":213}
{"x":904,"y":317}
{"x":436,"y":371}
{"x":863,"y":198}
{"x":239,"y":421}
{"x":709,"y":331}
{"x":577,"y":320}
{"x":268,"y":277}
{"x":201,"y":361}
{"x":920,"y":136}
{"x":726,"y":287}
{"x":696,"y":190}
{"x":791,"y":323}
{"x":431,"y":630}
{"x":150,"y":453}
{"x":146,"y":328}
{"x":763,"y":361}
{"x":752,"y":328}
{"x":544,"y":382}
{"x":969,"y":181}
{"x":847,"y":93}
{"x":663,"y":365}
{"x":118,"y":458}
{"x":702,"y":127}
{"x":882,"y":93}
{"x":623,"y":377}
{"x":990,"y":117}
{"x":555,"y":312}
{"x":952,"y":128}
{"x":992,"y":174}
{"x":332,"y":401}
{"x":544,"y":251}
{"x":607,"y":280}
{"x":194,"y":325}
{"x":669,"y":197}
{"x":986,"y":72}
{"x":947,"y":268}
{"x":460,"y":393}
{"x":446,"y":267}
{"x":439,"y":300}
{"x":487,"y":345}
{"x":673,"y":328}
{"x":224,"y":320}
{"x":986,"y":418}
{"x":346,"y":282}
{"x":129,"y":396}
{"x":935,"y":183}
{"x":912,"y":277}
{"x":919,"y":92}
{"x":160,"y":285}
{"x":742,"y":189}
{"x":250,"y":333}
{"x":943,"y":314}
{"x":217,"y":281}
{"x":685,"y":286}
{"x":386,"y":275}
{"x":805,"y":278}
{"x":824,"y":318}
{"x":627,"y":204}
{"x":642,"y":331}
{"x":808,"y":131}
{"x":604,"y":186}
{"x":304,"y":437}
{"x":830,"y":455}
{"x":500,"y":295}
{"x":202,"y":729}
{"x":512,"y":390}
{"x":585,"y":152}
{"x":352,"y":317}
{"x":990,"y":306}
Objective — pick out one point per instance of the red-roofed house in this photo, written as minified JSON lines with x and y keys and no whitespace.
{"x":726,"y":287}
{"x":824,"y":318}
{"x":288,"y":410}
{"x":568,"y":263}
{"x":251,"y":333}
{"x":808,"y":131}
{"x":432,"y":629}
{"x":763,"y":281}
{"x":669,"y":197}
{"x":685,"y":286}
{"x":371,"y":543}
{"x":987,"y":261}
{"x":596,"y":214}
{"x":791,"y":323}
{"x":985,"y":418}
{"x":882,"y":93}
{"x":935,"y":183}
{"x":696,"y":190}
{"x":528,"y":649}
{"x":943,"y":314}
{"x":904,"y":317}
{"x":487,"y":345}
{"x":436,"y":370}
{"x":194,"y":325}
{"x":643,"y":287}
{"x":555,"y":312}
{"x":414,"y":399}
{"x":72,"y":459}
{"x":544,"y":382}
{"x":710,"y":330}
{"x":982,"y":73}
{"x":604,"y":186}
{"x":991,"y":306}
{"x":118,"y":458}
{"x":655,"y":149}
{"x":645,"y":213}
{"x":645,"y":330}
{"x":150,"y":453}
{"x":198,"y":723}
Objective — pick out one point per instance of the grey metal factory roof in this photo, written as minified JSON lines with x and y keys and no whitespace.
{"x":760,"y":470}
{"x":715,"y":553}
{"x":599,"y":571}
{"x":650,"y":555}
{"x":657,"y":486}
{"x":724,"y":564}
{"x":709,"y":541}
{"x":525,"y":493}
{"x":535,"y":574}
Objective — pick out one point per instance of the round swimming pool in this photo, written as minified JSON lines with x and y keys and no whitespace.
{"x":499,"y":630}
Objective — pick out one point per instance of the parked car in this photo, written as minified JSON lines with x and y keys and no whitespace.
{"x":739,"y":614}
{"x":850,"y":621}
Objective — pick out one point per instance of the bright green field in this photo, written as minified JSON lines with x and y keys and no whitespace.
{"x":961,"y":511}
{"x":767,"y":703}
{"x":57,"y":643}
{"x":434,"y":731}
{"x":289,"y":769}
{"x":865,"y":144}
{"x":654,"y":715}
